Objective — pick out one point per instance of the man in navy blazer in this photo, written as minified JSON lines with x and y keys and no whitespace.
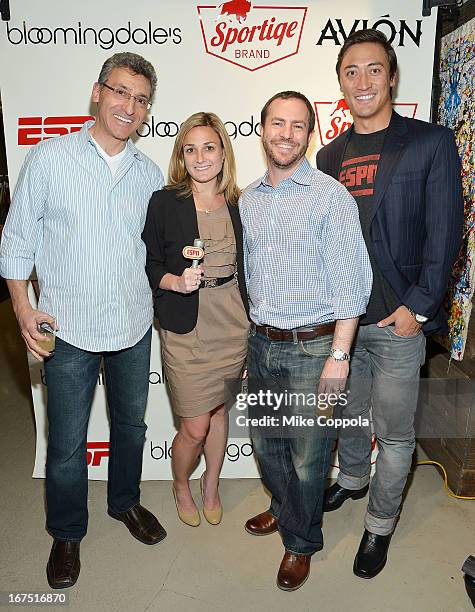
{"x":405,"y":177}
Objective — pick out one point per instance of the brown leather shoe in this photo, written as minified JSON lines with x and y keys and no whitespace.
{"x":293,"y":571}
{"x":64,"y":565}
{"x":141,"y":523}
{"x":262,"y":524}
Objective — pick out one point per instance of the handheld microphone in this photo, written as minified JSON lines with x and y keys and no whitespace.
{"x":195,"y":252}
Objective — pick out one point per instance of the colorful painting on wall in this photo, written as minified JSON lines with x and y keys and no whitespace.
{"x":457,"y":111}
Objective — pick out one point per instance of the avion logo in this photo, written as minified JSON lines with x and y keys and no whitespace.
{"x":334,"y":118}
{"x":251,"y":36}
{"x":33,"y":129}
{"x":96,"y":452}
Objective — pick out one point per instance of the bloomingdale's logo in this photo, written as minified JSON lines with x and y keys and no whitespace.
{"x":251,"y":36}
{"x":155,"y":377}
{"x":105,"y":38}
{"x":234,"y":452}
{"x":32,"y":130}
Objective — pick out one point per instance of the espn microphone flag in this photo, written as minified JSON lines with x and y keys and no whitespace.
{"x":195,"y":252}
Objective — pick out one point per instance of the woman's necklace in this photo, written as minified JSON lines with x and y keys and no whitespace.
{"x":212,"y":205}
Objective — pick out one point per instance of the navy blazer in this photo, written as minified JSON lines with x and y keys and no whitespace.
{"x":416,"y":230}
{"x":172,"y":224}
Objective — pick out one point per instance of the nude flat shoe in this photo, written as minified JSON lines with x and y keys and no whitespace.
{"x":192,"y":519}
{"x":212,"y":516}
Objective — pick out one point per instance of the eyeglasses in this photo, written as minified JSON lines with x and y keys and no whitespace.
{"x":122,"y":94}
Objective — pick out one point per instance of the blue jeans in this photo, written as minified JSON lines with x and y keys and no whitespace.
{"x":71,"y":378}
{"x":384,"y":379}
{"x":293,"y":464}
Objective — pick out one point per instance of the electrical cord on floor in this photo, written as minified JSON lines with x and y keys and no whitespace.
{"x":447,"y":488}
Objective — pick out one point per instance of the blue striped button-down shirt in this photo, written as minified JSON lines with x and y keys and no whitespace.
{"x":82,"y":228}
{"x":305,"y":258}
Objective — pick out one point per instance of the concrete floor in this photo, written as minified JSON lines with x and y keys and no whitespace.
{"x":219,"y":568}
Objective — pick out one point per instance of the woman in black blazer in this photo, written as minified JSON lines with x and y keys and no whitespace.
{"x":202,"y":311}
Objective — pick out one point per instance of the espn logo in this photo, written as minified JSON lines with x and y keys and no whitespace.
{"x":32,"y":130}
{"x":193,"y":252}
{"x":95,"y":452}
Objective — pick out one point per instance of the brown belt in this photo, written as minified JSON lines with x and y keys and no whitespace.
{"x":276,"y":334}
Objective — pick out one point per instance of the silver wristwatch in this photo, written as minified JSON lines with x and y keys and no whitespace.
{"x":418,"y":317}
{"x":339,"y":355}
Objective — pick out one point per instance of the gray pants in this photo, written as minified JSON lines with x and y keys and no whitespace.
{"x":384,"y":378}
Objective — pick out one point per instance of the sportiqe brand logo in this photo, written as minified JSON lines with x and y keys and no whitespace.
{"x":251,"y":36}
{"x":95,"y":453}
{"x":33,"y":129}
{"x":334,"y":118}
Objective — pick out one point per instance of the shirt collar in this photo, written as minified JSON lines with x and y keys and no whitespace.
{"x":85,"y":140}
{"x":302,"y":175}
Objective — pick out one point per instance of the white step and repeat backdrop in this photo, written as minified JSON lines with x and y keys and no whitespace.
{"x":226,"y":57}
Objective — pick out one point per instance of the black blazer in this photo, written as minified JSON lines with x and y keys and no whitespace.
{"x":416,"y":230}
{"x":172,"y":224}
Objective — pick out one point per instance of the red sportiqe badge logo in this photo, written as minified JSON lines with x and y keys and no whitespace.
{"x":251,"y":36}
{"x":334,"y":118}
{"x":33,"y":129}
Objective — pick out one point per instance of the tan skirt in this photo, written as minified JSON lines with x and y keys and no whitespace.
{"x":198,"y":363}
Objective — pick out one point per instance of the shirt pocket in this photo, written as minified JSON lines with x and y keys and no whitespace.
{"x":132,"y":213}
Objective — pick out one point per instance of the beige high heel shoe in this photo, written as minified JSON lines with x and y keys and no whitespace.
{"x":193,"y":519}
{"x":212,"y":516}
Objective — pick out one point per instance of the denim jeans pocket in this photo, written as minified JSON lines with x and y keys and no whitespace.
{"x":318,"y":347}
{"x":392,"y":331}
{"x":408,"y":343}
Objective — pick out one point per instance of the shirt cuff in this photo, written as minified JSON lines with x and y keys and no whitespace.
{"x":349,"y":306}
{"x":16,"y":269}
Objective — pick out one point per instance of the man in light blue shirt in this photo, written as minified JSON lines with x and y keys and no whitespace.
{"x":309,"y":278}
{"x":77,"y":215}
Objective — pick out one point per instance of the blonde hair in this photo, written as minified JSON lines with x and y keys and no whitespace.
{"x":178,"y":176}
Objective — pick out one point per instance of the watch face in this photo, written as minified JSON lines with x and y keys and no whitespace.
{"x":339,"y":355}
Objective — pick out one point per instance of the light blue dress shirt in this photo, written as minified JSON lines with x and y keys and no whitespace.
{"x":305,"y":259}
{"x":82,"y":228}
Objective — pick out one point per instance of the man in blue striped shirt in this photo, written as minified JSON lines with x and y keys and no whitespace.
{"x":77,"y":215}
{"x":309,"y":278}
